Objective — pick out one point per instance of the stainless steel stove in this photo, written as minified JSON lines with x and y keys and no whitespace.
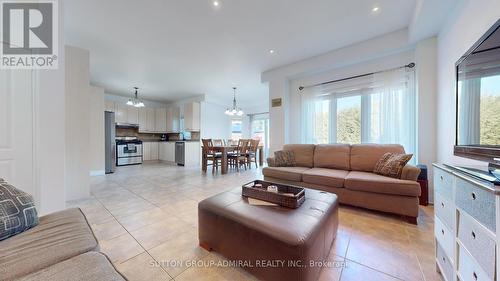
{"x":128,"y":151}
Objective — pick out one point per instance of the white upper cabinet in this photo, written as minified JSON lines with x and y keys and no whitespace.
{"x":132,"y":115}
{"x":173,"y":117}
{"x":120,"y":113}
{"x":147,"y":119}
{"x":161,"y":120}
{"x":192,"y":116}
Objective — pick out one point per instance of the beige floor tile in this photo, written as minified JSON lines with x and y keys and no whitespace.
{"x":141,"y":219}
{"x":108,"y":230}
{"x":332,"y":269}
{"x":143,"y":267}
{"x":154,"y":234}
{"x":357,"y":272}
{"x":121,"y":248}
{"x":180,"y":249}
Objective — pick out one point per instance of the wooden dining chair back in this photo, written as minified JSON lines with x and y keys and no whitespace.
{"x":218,"y":142}
{"x":252,"y":152}
{"x":238,"y":157}
{"x":210,"y":154}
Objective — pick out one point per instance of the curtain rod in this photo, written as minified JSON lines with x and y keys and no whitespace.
{"x":410,"y":65}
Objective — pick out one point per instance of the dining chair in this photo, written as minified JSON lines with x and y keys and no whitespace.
{"x":218,"y":142}
{"x":238,"y":157}
{"x":211,"y":154}
{"x":252,"y":152}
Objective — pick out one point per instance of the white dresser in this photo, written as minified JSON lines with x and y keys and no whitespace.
{"x":466,"y":223}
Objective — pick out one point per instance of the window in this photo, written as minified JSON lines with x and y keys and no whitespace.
{"x":379,"y":108}
{"x":236,"y":129}
{"x":260,"y":130}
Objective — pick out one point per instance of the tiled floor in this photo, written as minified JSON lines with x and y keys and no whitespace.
{"x":145,"y":218}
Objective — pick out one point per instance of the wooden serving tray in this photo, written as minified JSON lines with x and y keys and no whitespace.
{"x":287,"y":196}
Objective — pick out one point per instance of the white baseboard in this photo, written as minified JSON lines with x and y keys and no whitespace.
{"x":97,"y":173}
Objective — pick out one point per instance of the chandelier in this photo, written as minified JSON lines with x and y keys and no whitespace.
{"x":135,"y":101}
{"x":235,"y":110}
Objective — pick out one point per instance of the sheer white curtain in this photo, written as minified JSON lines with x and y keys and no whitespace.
{"x":387,"y":107}
{"x":470,"y":109}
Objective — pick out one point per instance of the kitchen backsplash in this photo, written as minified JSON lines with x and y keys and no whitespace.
{"x":134,"y":132}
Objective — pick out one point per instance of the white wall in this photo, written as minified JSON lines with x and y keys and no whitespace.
{"x":96,"y":131}
{"x":466,"y":24}
{"x":49,"y":150}
{"x":77,"y":87}
{"x":214,"y":123}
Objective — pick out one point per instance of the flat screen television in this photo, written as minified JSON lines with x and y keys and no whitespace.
{"x":478,"y":99}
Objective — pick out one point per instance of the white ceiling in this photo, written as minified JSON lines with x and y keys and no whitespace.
{"x":173,"y":49}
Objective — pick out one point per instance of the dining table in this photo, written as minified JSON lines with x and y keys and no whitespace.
{"x":224,"y":149}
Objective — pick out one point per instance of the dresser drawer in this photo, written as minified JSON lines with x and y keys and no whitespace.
{"x":445,"y":210}
{"x":479,"y":244}
{"x":445,"y":264}
{"x":477,"y":202}
{"x":443,"y":183}
{"x":444,"y":237}
{"x":468,"y":268}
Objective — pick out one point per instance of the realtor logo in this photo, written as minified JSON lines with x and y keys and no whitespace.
{"x":29,"y":34}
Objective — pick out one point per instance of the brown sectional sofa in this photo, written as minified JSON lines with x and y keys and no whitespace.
{"x":61,"y":247}
{"x":346,"y":170}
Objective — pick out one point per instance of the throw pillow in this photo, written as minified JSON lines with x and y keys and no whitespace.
{"x":17,"y":211}
{"x":284,"y":158}
{"x":391,"y":164}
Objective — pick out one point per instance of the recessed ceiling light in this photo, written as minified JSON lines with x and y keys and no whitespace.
{"x":216,"y":3}
{"x":271,"y":51}
{"x":375,"y":9}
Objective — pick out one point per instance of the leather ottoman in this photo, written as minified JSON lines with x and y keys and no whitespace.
{"x":272,"y":243}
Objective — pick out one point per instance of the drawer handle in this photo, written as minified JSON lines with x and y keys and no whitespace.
{"x":442,"y":204}
{"x":444,"y":260}
{"x":473,"y":235}
{"x":473,"y":196}
{"x":474,"y":275}
{"x":441,"y":177}
{"x":442,"y":231}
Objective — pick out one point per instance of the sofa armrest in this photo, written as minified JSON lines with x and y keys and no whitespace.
{"x":410,"y":173}
{"x":270,"y":162}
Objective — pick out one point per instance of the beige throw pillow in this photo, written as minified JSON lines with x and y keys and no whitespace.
{"x":284,"y":158}
{"x":391,"y":164}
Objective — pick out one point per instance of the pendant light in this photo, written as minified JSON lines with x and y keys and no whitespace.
{"x":136,"y":102}
{"x":235,"y":110}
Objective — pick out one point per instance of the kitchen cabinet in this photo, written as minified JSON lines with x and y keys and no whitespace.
{"x":160,"y":120}
{"x":132,"y":115}
{"x":173,"y":119}
{"x":192,"y":153}
{"x":191,"y":114}
{"x":147,"y":120}
{"x":120,"y":113}
{"x":150,"y":151}
{"x":167,"y":151}
{"x":109,"y":106}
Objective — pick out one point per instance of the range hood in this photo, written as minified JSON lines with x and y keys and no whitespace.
{"x":126,"y":125}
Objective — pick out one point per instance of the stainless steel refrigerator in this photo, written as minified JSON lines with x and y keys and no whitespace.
{"x":110,"y":142}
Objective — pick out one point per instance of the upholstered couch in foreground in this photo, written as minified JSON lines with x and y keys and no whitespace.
{"x":61,"y":247}
{"x":347,"y":170}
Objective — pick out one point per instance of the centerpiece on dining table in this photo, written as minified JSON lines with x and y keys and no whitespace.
{"x":284,"y":195}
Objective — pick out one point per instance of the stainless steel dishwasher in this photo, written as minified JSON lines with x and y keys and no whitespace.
{"x":180,"y":153}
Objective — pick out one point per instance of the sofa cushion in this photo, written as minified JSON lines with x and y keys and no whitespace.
{"x":391,"y":165}
{"x":58,"y":237}
{"x":91,"y":266}
{"x":17,"y":211}
{"x":285,"y":173}
{"x":333,"y":156}
{"x":304,"y":154}
{"x":326,"y":177}
{"x":365,"y":156}
{"x":284,"y":158}
{"x":370,"y":182}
